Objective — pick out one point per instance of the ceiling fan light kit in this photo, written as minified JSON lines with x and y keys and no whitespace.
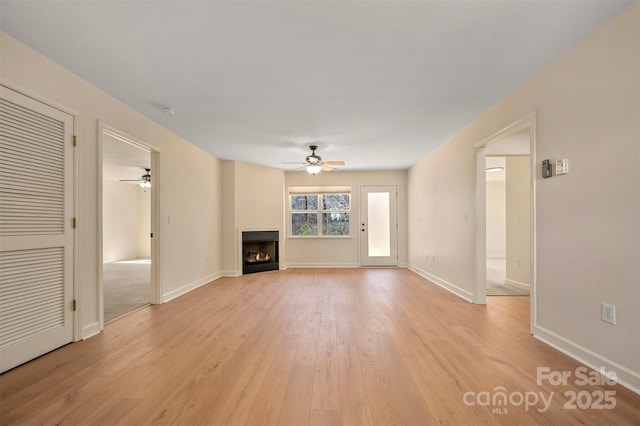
{"x":313,"y":169}
{"x":313,"y":163}
{"x":144,"y":181}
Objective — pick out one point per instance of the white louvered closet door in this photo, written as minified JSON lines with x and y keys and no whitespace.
{"x":36,"y":235}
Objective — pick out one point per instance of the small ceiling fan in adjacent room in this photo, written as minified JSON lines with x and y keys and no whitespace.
{"x":144,"y":181}
{"x":313,"y":164}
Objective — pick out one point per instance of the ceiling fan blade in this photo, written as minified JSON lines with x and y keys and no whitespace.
{"x":333,"y":163}
{"x":129,"y":180}
{"x":292,"y":162}
{"x":326,"y":168}
{"x":302,"y":167}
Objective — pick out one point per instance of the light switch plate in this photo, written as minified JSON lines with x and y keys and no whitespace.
{"x":562,"y":166}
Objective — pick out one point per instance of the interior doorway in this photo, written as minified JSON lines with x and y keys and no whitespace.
{"x":128,"y":255}
{"x":508,"y":216}
{"x":505,"y":213}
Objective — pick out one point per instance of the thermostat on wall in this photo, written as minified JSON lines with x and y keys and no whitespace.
{"x":546,"y":169}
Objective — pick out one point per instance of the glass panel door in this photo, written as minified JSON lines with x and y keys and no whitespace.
{"x":378,"y":226}
{"x":379,"y":232}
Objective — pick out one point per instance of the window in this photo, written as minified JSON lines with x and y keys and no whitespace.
{"x":315,"y":215}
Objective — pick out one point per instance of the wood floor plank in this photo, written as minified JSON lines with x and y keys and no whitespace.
{"x":306,"y":346}
{"x":354,"y":405}
{"x":296,"y":405}
{"x":412,"y":405}
{"x":325,"y":418}
{"x":382,"y":399}
{"x":268,"y":402}
{"x":326,"y":393}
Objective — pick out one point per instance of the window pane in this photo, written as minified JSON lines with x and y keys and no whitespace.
{"x":335,"y":223}
{"x":335,"y":202}
{"x":304,"y":223}
{"x":304,"y":202}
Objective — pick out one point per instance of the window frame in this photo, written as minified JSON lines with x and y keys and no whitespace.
{"x":318,"y":212}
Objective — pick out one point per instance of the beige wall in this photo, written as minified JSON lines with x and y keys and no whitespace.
{"x":254,"y":200}
{"x":126,"y":221}
{"x":229,"y":228}
{"x":587,"y":106}
{"x":343,"y":252}
{"x":496,"y":220}
{"x":189,"y":177}
{"x":518,"y":220}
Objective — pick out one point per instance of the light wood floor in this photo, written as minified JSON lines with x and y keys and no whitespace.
{"x":361,"y":346}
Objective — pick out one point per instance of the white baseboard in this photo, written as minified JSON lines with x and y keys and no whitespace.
{"x":90,"y":330}
{"x":521,"y":285}
{"x":464,"y":294}
{"x":321,"y":265}
{"x":189,"y":287}
{"x":228,"y":274}
{"x":626,"y":377}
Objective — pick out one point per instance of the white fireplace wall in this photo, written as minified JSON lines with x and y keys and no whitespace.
{"x":253,"y":200}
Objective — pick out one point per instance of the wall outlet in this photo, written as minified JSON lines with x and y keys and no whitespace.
{"x":609,"y":313}
{"x":517,"y":261}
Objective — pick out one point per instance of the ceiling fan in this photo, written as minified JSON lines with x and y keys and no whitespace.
{"x":144,"y":181}
{"x":313,"y":164}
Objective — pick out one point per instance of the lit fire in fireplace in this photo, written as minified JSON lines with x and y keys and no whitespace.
{"x":262,"y":257}
{"x":254,"y":257}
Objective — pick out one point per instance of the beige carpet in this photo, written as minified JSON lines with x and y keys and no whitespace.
{"x":496,"y":280}
{"x":127,"y":286}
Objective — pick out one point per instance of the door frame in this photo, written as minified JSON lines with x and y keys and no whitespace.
{"x":156,"y":271}
{"x":480,"y":288}
{"x":361,"y":218}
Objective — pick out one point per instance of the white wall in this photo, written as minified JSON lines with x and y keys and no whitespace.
{"x":343,"y":252}
{"x":518,"y":220}
{"x":588,"y":223}
{"x":253,"y":198}
{"x":190,"y":179}
{"x":126,"y":220}
{"x":496,"y":220}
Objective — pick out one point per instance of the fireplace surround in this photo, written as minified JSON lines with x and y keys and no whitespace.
{"x":260,"y":251}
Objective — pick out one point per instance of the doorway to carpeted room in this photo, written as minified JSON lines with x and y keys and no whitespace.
{"x":126,"y":286}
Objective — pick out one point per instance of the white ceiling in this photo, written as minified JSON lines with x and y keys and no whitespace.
{"x":376,"y":84}
{"x":121,"y":160}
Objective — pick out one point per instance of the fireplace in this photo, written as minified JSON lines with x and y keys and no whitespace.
{"x":259,"y":251}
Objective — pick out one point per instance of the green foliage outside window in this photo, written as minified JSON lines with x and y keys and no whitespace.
{"x":306,"y":209}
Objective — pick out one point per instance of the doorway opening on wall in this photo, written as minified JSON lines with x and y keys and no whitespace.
{"x":505,"y":213}
{"x":508,"y":217}
{"x":128,"y":256}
